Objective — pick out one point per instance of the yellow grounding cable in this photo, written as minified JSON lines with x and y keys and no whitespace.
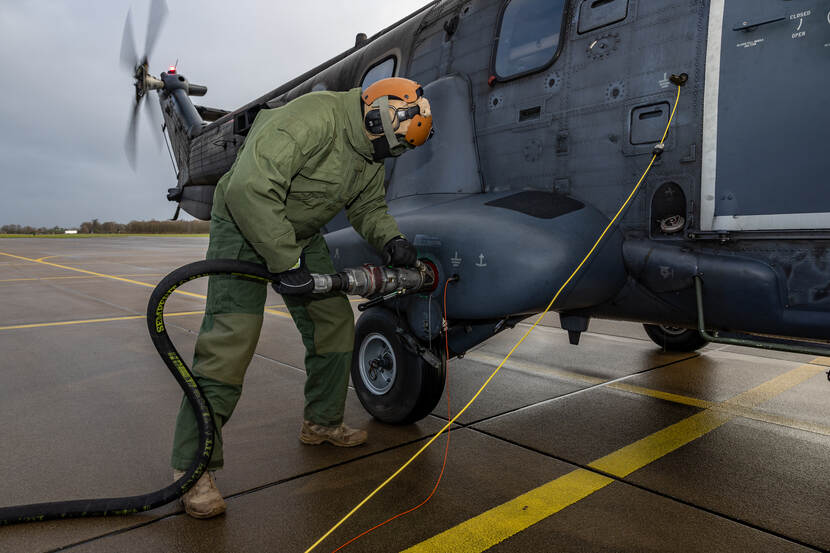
{"x":526,"y":334}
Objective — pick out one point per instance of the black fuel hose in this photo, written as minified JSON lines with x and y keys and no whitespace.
{"x":201,"y":407}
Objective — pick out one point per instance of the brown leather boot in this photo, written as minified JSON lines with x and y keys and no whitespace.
{"x":203,"y":500}
{"x":341,"y":436}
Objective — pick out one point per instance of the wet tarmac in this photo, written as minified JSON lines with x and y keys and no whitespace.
{"x":611,"y":445}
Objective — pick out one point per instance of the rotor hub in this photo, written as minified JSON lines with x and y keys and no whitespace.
{"x":140,"y":81}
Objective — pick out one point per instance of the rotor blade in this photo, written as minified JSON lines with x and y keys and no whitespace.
{"x":132,"y":131}
{"x":129,"y":59}
{"x":155,"y":118}
{"x":158,"y":12}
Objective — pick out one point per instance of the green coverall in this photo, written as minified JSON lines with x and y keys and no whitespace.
{"x":300,"y":165}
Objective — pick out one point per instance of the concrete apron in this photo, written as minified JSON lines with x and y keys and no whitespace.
{"x":719,"y":452}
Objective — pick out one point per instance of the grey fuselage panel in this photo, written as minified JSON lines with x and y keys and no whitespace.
{"x":739,"y":194}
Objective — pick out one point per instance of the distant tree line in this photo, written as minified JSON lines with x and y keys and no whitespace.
{"x":111,"y":227}
{"x":18,"y":229}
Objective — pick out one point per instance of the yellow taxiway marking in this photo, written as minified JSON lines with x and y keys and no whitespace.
{"x":122,"y":279}
{"x":110,"y":319}
{"x":89,"y":321}
{"x":76,"y":277}
{"x":667,"y":396}
{"x":500,"y":523}
{"x":93,"y":273}
{"x":525,"y":366}
{"x":635,"y":456}
{"x":733,"y":408}
{"x":45,"y":257}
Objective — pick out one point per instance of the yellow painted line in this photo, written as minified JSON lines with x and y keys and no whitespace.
{"x":526,"y":366}
{"x":624,"y":461}
{"x":534,"y":368}
{"x":780,"y":420}
{"x":10,"y":264}
{"x":747,"y":413}
{"x":89,"y":321}
{"x":93,"y":273}
{"x":635,"y":456}
{"x":731,"y":407}
{"x":667,"y":396}
{"x":45,"y":257}
{"x":500,"y":523}
{"x":278,"y":313}
{"x":75,"y":277}
{"x":125,"y":318}
{"x":142,"y":275}
{"x":45,"y":278}
{"x":774,"y":387}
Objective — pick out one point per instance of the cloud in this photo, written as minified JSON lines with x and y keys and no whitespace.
{"x":65,"y":101}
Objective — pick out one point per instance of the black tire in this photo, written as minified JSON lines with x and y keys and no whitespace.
{"x":394,"y":385}
{"x":672,"y":338}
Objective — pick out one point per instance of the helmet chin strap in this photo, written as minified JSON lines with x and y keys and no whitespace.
{"x":382,"y":104}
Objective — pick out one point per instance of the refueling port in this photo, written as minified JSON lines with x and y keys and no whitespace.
{"x":433,"y":270}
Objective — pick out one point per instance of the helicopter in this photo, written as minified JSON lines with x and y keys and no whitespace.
{"x":546,"y":112}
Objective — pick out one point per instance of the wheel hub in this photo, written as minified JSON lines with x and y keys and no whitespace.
{"x":376,"y":363}
{"x":673,"y":330}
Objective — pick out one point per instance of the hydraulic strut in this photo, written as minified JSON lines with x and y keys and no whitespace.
{"x":367,"y":281}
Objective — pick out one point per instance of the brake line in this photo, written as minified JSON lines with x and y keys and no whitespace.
{"x":678,"y":81}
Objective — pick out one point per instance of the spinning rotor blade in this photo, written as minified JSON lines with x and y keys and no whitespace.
{"x":132,"y":131}
{"x":152,"y":108}
{"x":129,"y":58}
{"x":158,"y":13}
{"x":139,"y":68}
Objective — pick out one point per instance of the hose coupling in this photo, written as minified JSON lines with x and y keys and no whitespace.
{"x":370,"y":280}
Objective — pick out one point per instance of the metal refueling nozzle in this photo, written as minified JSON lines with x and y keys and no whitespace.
{"x":370,"y":280}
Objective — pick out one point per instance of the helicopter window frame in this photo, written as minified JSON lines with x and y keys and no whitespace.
{"x":563,"y":26}
{"x":378,"y":63}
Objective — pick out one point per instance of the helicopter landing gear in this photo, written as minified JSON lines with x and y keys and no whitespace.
{"x":395,"y":384}
{"x":673,"y":338}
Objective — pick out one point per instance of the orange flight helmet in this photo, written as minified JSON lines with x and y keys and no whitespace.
{"x":398,"y":88}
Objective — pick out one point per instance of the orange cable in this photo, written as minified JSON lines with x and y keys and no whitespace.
{"x":655,"y":154}
{"x":446,"y":450}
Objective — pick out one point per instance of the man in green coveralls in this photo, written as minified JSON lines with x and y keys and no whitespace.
{"x":301,"y":164}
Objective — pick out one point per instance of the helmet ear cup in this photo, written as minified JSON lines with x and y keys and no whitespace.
{"x":420,"y":130}
{"x":373,"y":122}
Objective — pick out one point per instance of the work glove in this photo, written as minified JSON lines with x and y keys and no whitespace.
{"x":399,"y":252}
{"x":296,"y":281}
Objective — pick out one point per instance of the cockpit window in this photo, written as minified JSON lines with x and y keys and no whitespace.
{"x":528,"y":36}
{"x":382,"y":70}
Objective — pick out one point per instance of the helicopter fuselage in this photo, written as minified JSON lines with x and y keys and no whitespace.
{"x":546,"y":119}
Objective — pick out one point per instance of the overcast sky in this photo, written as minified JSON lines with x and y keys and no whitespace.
{"x":65,"y":101}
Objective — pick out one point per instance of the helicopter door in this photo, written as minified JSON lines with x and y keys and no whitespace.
{"x":766,"y":122}
{"x":448,"y":162}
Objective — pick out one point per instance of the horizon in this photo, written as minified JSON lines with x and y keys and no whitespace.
{"x":67,"y":100}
